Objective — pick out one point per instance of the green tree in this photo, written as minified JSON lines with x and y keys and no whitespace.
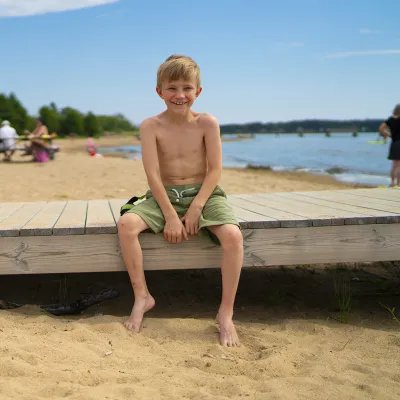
{"x":19,"y":114}
{"x":72,"y":121}
{"x":50,"y":118}
{"x":5,"y":108}
{"x":115,"y":123}
{"x":30,"y":123}
{"x":91,"y":124}
{"x":53,"y":107}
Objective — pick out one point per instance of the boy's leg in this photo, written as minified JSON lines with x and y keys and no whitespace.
{"x":232,"y":260}
{"x":129,"y":227}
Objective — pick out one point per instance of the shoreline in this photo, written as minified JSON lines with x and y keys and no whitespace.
{"x":78,"y":145}
{"x":74,"y":175}
{"x":339,"y":174}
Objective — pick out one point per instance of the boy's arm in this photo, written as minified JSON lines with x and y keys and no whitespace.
{"x":152,"y":168}
{"x":212,"y":138}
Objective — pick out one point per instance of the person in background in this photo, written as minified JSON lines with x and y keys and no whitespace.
{"x":40,"y":130}
{"x":8,"y":136}
{"x":36,"y":146}
{"x":391,"y":128}
{"x":91,"y":147}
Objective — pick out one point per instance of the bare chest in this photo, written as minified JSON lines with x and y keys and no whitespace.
{"x":181,"y":144}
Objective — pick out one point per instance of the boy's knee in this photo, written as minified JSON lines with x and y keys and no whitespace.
{"x":232,"y":238}
{"x":129,"y":224}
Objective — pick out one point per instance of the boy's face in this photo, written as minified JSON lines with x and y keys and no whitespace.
{"x":179,"y":95}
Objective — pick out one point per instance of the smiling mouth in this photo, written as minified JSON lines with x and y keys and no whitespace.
{"x":178,"y":103}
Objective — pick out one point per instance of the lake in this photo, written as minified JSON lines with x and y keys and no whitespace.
{"x":347,"y":158}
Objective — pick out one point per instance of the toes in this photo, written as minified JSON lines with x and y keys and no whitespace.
{"x":131,"y":327}
{"x":229,"y":340}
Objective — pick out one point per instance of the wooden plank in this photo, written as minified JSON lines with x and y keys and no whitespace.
{"x":11,"y":225}
{"x":384,"y":213}
{"x":7,"y":209}
{"x":262,"y":247}
{"x":100,"y":218}
{"x":251,"y":218}
{"x":371,"y":200}
{"x":286,"y":219}
{"x":115,"y":205}
{"x":313,"y":215}
{"x":390,"y":195}
{"x":72,"y":221}
{"x":270,"y":215}
{"x":342,"y":214}
{"x":42,"y":223}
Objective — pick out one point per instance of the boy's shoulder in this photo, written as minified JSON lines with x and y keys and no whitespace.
{"x":206,"y":120}
{"x":150,"y":121}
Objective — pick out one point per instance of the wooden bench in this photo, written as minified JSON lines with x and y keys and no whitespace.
{"x":278,"y":229}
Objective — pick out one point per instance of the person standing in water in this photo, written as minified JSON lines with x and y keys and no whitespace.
{"x":391,"y":128}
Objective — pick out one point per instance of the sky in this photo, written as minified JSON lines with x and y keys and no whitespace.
{"x":260,"y":60}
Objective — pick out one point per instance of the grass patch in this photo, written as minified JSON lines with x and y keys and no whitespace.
{"x":343,"y":294}
{"x":391,"y":312}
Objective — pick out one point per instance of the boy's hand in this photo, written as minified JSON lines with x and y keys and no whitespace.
{"x":174,"y":230}
{"x":191,"y":219}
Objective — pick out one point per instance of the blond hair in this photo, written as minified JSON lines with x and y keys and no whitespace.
{"x":177,"y":67}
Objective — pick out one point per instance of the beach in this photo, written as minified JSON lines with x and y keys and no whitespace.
{"x":294,"y":345}
{"x":76,"y":175}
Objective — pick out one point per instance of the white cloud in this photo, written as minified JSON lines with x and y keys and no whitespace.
{"x":363,"y":53}
{"x":366,"y":31}
{"x":14,"y":8}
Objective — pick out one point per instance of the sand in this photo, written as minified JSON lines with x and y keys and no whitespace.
{"x":76,"y":175}
{"x":293,"y":344}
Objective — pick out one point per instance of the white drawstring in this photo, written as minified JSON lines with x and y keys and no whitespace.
{"x":177,"y":193}
{"x":180,"y":195}
{"x":186,"y":190}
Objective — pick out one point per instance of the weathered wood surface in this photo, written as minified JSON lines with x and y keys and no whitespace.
{"x":262,"y":247}
{"x":12,"y":225}
{"x":254,"y":211}
{"x":43,"y":222}
{"x":279,"y":228}
{"x":72,"y":221}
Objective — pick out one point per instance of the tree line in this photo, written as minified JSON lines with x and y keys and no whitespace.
{"x":68,"y":120}
{"x":64,"y":121}
{"x":308,"y":125}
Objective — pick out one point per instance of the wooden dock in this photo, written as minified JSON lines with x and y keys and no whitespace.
{"x":278,"y":229}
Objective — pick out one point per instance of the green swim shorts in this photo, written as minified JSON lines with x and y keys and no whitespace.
{"x":216,"y":211}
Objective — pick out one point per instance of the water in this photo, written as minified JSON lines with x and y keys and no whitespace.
{"x":356,"y":160}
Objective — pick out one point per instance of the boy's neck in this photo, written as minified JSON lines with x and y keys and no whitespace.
{"x":179,"y":118}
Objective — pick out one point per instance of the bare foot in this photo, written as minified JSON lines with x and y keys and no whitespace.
{"x":227,"y":332}
{"x":142,"y":305}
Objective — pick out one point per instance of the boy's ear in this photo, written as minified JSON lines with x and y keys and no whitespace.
{"x":199,"y":90}
{"x":158,"y":90}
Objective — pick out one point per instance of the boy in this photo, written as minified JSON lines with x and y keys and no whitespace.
{"x":182,"y":158}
